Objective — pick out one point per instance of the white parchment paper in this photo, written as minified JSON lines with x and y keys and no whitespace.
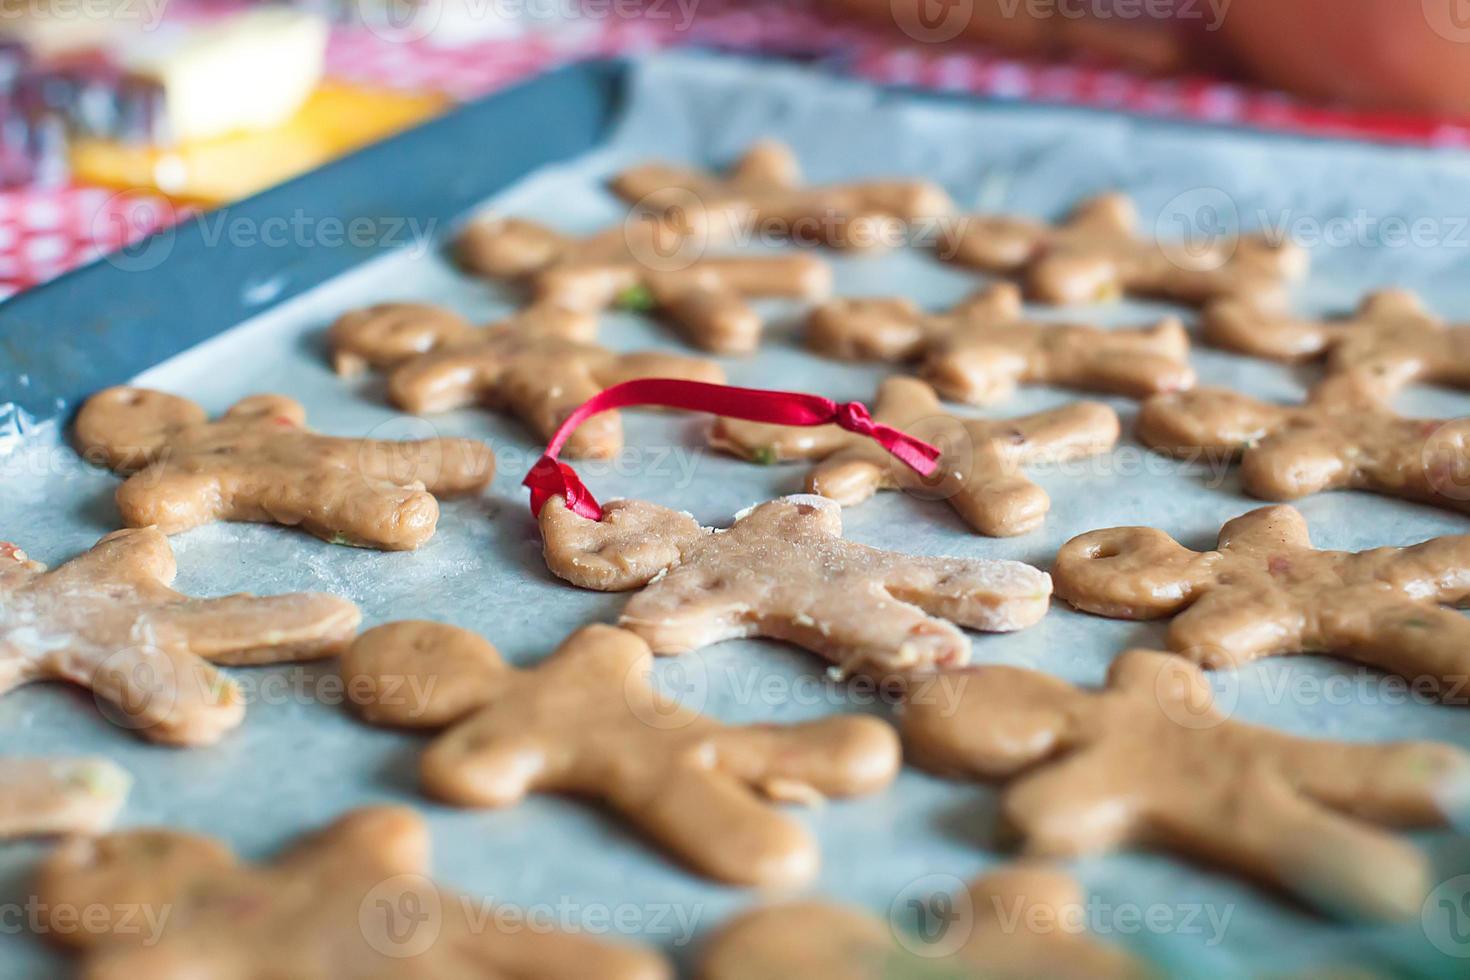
{"x":300,"y":759}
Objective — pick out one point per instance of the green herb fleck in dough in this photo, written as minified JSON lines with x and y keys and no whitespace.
{"x":638,"y":299}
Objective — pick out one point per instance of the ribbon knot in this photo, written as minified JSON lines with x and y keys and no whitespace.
{"x":552,"y":478}
{"x":854,"y":417}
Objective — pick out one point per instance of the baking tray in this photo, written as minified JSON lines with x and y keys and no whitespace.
{"x":218,"y":314}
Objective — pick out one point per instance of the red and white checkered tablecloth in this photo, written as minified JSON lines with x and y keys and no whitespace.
{"x":46,"y":231}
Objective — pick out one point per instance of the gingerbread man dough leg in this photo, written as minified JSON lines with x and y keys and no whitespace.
{"x":335,"y":905}
{"x":700,"y":788}
{"x":1265,"y":590}
{"x":108,"y":621}
{"x":783,"y":571}
{"x":59,"y":796}
{"x":1149,"y":761}
{"x":258,"y":462}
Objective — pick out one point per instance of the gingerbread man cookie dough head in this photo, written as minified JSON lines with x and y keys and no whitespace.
{"x":1018,"y":923}
{"x":539,"y":365}
{"x":644,"y":266}
{"x":1150,"y":761}
{"x":351,"y":900}
{"x":108,"y":621}
{"x":981,"y":350}
{"x":259,"y":462}
{"x":689,"y":782}
{"x":59,"y":796}
{"x":762,"y":193}
{"x":1344,"y":437}
{"x":1267,"y":591}
{"x":1391,"y":339}
{"x":980,"y":472}
{"x":783,"y":571}
{"x":1096,"y":254}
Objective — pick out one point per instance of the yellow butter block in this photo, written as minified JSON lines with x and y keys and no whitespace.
{"x":336,"y":119}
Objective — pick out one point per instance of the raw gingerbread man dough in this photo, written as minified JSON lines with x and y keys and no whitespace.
{"x":1096,"y":254}
{"x":1018,"y":923}
{"x":1267,"y":591}
{"x":351,"y":900}
{"x":1391,"y":339}
{"x":108,"y":621}
{"x":783,"y":571}
{"x":1151,"y":761}
{"x":981,"y":469}
{"x":259,"y":462}
{"x":539,"y":365}
{"x":59,"y":796}
{"x":585,"y":721}
{"x":982,"y":349}
{"x":385,"y":335}
{"x":762,"y":194}
{"x":633,"y":267}
{"x":1345,"y":437}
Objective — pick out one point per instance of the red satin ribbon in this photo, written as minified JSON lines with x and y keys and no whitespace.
{"x":552,"y":478}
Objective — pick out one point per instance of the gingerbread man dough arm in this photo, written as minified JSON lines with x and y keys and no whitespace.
{"x":990,"y":598}
{"x":688,"y":609}
{"x":1242,"y":326}
{"x":59,"y":796}
{"x":234,"y":629}
{"x":767,"y":443}
{"x":632,"y":544}
{"x":446,"y":467}
{"x":1218,"y":422}
{"x":851,"y":468}
{"x":654,"y":364}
